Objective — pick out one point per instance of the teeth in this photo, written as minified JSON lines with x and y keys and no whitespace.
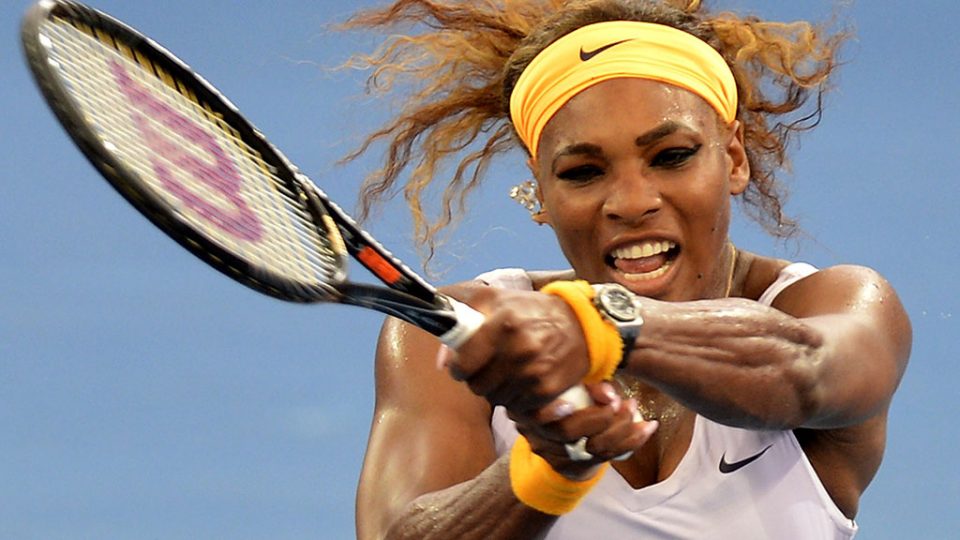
{"x":649,"y":275}
{"x":646,"y":249}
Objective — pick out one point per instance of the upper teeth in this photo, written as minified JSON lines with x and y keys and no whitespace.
{"x":645,"y":249}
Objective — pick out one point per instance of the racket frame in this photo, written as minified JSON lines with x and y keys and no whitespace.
{"x":408,"y":296}
{"x":160,"y":213}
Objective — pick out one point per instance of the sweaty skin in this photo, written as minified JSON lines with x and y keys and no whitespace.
{"x":823,"y":361}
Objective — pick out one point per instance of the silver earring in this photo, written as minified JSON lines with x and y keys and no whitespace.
{"x":525,"y":193}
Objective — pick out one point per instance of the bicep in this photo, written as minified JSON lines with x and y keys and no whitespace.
{"x":429,"y":432}
{"x":866,"y":339}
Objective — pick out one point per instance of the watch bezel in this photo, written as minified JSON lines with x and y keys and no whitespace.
{"x":617,"y":302}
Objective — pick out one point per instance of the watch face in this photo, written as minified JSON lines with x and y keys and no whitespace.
{"x":618,"y":303}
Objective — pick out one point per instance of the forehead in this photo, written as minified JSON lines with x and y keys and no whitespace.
{"x":629,"y":105}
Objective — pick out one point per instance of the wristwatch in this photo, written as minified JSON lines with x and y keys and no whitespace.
{"x":621,"y":307}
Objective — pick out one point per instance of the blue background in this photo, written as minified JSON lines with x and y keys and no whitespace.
{"x":142,"y":395}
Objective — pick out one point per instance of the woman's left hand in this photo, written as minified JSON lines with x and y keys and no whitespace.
{"x":611,"y":429}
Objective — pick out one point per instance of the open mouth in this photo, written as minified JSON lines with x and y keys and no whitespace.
{"x":644,"y":261}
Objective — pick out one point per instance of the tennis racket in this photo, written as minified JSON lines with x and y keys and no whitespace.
{"x":185,"y":157}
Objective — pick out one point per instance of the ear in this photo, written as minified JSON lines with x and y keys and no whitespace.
{"x":737,"y":159}
{"x":540,"y":217}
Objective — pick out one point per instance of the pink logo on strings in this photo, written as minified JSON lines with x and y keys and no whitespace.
{"x":221,"y":176}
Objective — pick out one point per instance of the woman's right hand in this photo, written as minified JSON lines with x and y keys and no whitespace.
{"x":529,"y":350}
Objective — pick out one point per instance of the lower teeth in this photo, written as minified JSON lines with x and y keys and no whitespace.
{"x":648,"y":275}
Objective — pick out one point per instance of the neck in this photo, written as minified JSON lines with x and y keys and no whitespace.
{"x":733,"y":256}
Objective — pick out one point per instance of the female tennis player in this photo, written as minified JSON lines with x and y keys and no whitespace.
{"x":734,"y":395}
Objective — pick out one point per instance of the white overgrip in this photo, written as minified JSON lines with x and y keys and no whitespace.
{"x":468,"y":321}
{"x":577,"y":396}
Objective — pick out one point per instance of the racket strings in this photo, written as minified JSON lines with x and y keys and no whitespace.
{"x":190,"y":157}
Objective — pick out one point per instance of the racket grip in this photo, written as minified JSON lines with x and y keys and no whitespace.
{"x":577,"y":396}
{"x":469,"y":320}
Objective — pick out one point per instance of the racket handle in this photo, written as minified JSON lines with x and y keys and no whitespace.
{"x":577,"y":396}
{"x":469,"y":320}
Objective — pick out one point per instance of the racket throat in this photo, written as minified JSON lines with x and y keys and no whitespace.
{"x":437,"y":318}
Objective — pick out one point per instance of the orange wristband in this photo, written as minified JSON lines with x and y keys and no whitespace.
{"x":604,"y":343}
{"x":538,"y":486}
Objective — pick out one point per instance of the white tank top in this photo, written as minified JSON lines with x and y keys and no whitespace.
{"x":732,"y":484}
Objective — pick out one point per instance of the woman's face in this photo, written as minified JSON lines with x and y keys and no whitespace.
{"x":635,"y":177}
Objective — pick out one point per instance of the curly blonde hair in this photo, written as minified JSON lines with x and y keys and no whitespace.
{"x":462,"y":59}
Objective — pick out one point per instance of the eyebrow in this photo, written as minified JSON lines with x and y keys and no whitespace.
{"x":663,"y":130}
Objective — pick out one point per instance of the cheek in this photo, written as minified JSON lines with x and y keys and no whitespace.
{"x":568,"y":220}
{"x":707,"y":201}
{"x":713,"y":220}
{"x":574,"y":223}
{"x":721,"y":218}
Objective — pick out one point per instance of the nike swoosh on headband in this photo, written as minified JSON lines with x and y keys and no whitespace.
{"x":587,"y":55}
{"x":727,"y":468}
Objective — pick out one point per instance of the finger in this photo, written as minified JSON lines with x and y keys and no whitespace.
{"x":604,"y":393}
{"x":552,"y":451}
{"x":495,"y":388}
{"x":554,"y":424}
{"x":645,"y":430}
{"x":476,"y":351}
{"x":472,"y":357}
{"x":624,"y":436}
{"x":583,"y":423}
{"x":611,"y":433}
{"x":444,"y":356}
{"x":557,"y":409}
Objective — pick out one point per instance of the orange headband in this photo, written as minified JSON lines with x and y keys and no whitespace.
{"x":616,"y":49}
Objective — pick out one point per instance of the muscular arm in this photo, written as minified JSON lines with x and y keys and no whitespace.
{"x":481,"y":508}
{"x":430,"y":469}
{"x":829,"y":354}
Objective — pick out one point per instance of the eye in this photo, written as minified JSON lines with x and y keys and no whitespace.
{"x":580,"y":173}
{"x":672,"y":158}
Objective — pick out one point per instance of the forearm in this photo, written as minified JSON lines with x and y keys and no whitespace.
{"x":483,"y":508}
{"x":735,"y":361}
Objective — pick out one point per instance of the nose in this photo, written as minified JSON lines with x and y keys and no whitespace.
{"x":632,"y":198}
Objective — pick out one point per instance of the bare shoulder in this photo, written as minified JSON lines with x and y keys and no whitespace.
{"x":868,"y":337}
{"x":755,"y":273}
{"x":408,"y":377}
{"x":843,"y":289}
{"x":851,"y":302}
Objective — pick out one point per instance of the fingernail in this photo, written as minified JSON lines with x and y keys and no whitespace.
{"x":650,"y":427}
{"x":562,"y":409}
{"x":443,"y":356}
{"x":634,"y":410}
{"x":611,"y":393}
